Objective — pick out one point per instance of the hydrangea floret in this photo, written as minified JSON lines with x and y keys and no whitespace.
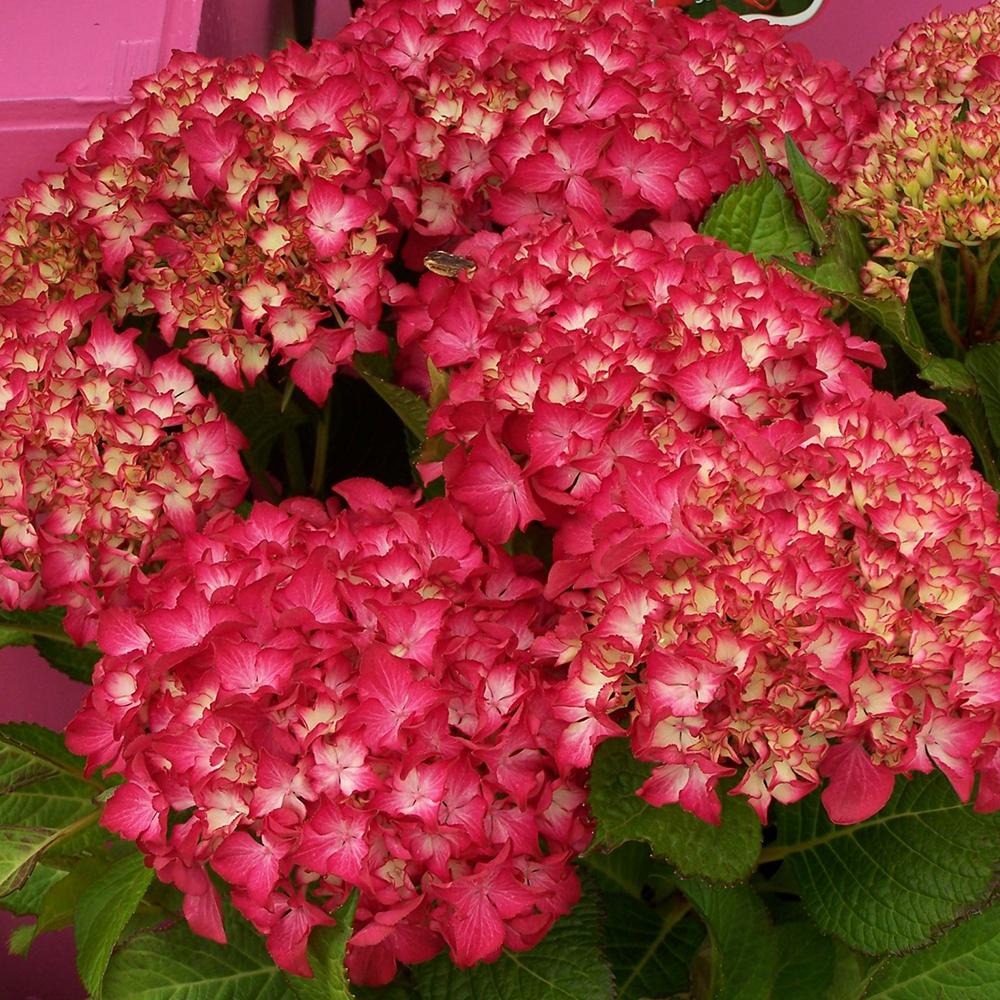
{"x":316,"y":700}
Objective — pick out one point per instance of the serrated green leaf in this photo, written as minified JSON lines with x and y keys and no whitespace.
{"x":20,"y":849}
{"x":177,"y":965}
{"x":568,"y":964}
{"x":949,"y":375}
{"x":967,"y":414}
{"x":758,"y":217}
{"x":27,"y":901}
{"x":57,"y":907}
{"x":744,"y":946}
{"x":44,"y":630}
{"x":724,"y":853}
{"x":104,"y":910}
{"x":625,"y":870}
{"x":984,"y":363}
{"x":650,"y":951}
{"x":326,"y":958}
{"x":892,"y":882}
{"x":408,"y":406}
{"x":805,"y":961}
{"x":45,"y":802}
{"x":813,"y":189}
{"x":964,"y":964}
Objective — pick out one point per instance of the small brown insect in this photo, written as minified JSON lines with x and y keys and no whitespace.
{"x":449,"y":265}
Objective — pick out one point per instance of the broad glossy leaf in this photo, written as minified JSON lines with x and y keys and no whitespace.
{"x":744,"y":946}
{"x":892,"y":882}
{"x":724,"y":853}
{"x":964,"y":964}
{"x":813,"y":189}
{"x":178,"y":965}
{"x":650,"y":950}
{"x":569,"y":964}
{"x":758,"y":217}
{"x":103,"y":912}
{"x":984,"y":363}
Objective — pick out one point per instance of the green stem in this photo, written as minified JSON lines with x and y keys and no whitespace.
{"x":944,"y":303}
{"x":321,"y":450}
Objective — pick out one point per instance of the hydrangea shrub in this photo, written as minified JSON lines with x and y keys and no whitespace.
{"x":653,"y":651}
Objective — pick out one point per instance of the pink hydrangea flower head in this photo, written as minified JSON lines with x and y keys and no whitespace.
{"x":243,"y":203}
{"x":941,"y":60}
{"x":766,"y":569}
{"x":566,"y":353}
{"x":598,"y":112}
{"x":925,"y":176}
{"x":315,"y":700}
{"x":105,"y":456}
{"x":812,"y":599}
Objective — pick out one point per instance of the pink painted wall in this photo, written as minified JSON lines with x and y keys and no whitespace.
{"x":852,"y":31}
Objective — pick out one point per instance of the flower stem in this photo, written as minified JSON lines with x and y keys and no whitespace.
{"x":944,"y":303}
{"x":322,"y":449}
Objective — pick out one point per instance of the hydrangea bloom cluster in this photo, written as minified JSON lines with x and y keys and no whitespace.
{"x":598,"y":111}
{"x":310,"y":701}
{"x":926,"y":176}
{"x":104,"y":456}
{"x":941,"y":60}
{"x":253,"y":206}
{"x":770,"y":569}
{"x":562,"y":345}
{"x":246,"y":204}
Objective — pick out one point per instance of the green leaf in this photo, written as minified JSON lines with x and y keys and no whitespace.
{"x":625,"y":870}
{"x":28,"y":900}
{"x":45,"y":802}
{"x":20,"y":849}
{"x":44,"y":630}
{"x":892,"y":882}
{"x":964,"y":964}
{"x":813,"y":189}
{"x":650,"y":951}
{"x":568,"y":964}
{"x":21,"y":939}
{"x":724,"y":853}
{"x":744,"y":945}
{"x":758,"y":217}
{"x":805,"y":961}
{"x":177,"y":965}
{"x":984,"y":363}
{"x":899,"y":321}
{"x":948,"y":374}
{"x":104,"y":910}
{"x":326,"y":958}
{"x":58,"y":906}
{"x":408,"y":406}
